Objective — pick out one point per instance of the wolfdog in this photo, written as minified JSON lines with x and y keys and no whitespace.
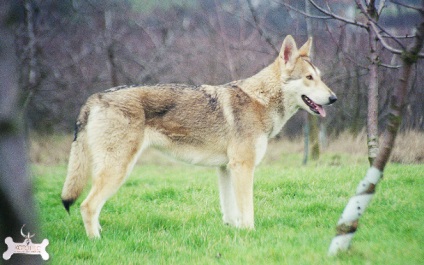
{"x":225,"y":126}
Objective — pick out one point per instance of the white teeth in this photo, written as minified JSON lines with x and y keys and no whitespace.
{"x":309,"y":102}
{"x":313,"y":106}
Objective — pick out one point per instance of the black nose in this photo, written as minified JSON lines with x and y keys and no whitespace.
{"x":332,"y":99}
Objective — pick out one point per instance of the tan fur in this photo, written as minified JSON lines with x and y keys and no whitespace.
{"x":225,"y":126}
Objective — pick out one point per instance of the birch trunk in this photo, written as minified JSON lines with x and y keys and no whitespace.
{"x":348,"y":222}
{"x":372,"y":115}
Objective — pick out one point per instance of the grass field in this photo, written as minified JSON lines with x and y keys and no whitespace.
{"x":169,"y":213}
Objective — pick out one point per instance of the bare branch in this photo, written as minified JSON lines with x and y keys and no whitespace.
{"x":375,"y":25}
{"x":383,"y":41}
{"x":337,"y":17}
{"x":419,"y":9}
{"x":378,"y":29}
{"x":304,"y":13}
{"x":345,"y":54}
{"x":399,"y":37}
{"x":361,"y":6}
{"x":419,"y":40}
{"x":381,"y":7}
{"x":388,"y":46}
{"x":391,"y":66}
{"x":259,"y":29}
{"x":329,"y":13}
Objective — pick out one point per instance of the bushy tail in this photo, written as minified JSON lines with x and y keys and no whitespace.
{"x":79,"y":164}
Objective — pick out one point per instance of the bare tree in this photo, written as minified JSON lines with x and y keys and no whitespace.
{"x":356,"y":206}
{"x":348,"y":222}
{"x":372,"y":13}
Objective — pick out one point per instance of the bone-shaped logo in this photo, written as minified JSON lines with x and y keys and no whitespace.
{"x":26,"y":247}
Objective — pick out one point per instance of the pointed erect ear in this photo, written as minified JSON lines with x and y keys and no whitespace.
{"x":305,"y":50}
{"x":289,"y":52}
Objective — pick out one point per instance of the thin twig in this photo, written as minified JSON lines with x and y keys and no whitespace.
{"x":381,"y":6}
{"x":376,"y":25}
{"x":399,"y":37}
{"x":419,"y":9}
{"x":259,"y":29}
{"x":377,"y":28}
{"x":337,"y":17}
{"x":346,"y":55}
{"x":387,"y":46}
{"x":383,"y":41}
{"x":304,"y":13}
{"x":390,"y":66}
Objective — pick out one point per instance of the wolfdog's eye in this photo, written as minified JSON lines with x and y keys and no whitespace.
{"x":309,"y":77}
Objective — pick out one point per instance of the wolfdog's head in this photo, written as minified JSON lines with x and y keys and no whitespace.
{"x":302,"y":80}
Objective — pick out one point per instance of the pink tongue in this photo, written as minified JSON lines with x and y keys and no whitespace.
{"x":321,"y":110}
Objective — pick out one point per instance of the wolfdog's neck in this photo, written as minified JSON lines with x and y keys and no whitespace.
{"x":265,"y":85}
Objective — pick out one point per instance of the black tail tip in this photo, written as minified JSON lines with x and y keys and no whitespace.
{"x":67,"y":204}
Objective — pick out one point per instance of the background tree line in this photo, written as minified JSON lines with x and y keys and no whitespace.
{"x":69,"y":49}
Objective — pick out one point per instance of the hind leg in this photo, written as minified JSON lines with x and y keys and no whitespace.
{"x":107,"y":180}
{"x":113,"y":158}
{"x":229,"y":207}
{"x":105,"y":184}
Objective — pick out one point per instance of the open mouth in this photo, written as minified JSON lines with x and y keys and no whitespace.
{"x":316,"y":108}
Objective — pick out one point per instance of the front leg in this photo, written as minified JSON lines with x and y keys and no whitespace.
{"x":242,"y":166}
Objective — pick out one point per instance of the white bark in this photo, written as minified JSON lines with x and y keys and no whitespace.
{"x":356,"y":206}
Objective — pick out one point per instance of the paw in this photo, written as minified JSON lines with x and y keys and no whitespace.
{"x":94,"y":233}
{"x":247,"y":226}
{"x":231,"y":221}
{"x":239,"y":223}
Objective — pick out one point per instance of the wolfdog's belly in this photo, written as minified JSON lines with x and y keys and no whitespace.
{"x":196,"y":155}
{"x":212,"y":153}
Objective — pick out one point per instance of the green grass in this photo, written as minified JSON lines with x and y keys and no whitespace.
{"x":171,"y":215}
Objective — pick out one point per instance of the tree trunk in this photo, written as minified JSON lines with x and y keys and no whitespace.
{"x":110,"y":49}
{"x":372,"y":115}
{"x":312,"y":121}
{"x":228,"y":54}
{"x":356,"y":206}
{"x":17,"y":204}
{"x":356,"y":120}
{"x":314,"y":136}
{"x":30,"y":73}
{"x":306,"y":133}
